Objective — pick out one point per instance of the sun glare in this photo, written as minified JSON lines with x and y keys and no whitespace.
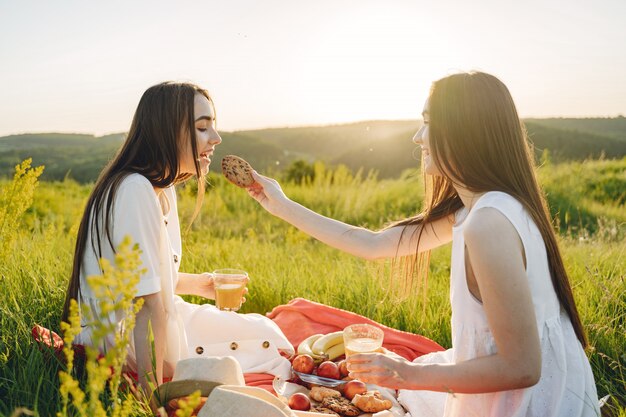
{"x":371,"y":65}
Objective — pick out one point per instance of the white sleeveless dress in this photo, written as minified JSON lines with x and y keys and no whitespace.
{"x":566,"y":387}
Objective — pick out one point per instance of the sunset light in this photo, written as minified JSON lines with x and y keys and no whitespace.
{"x":81,"y":68}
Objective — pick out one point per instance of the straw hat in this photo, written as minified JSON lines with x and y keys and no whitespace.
{"x":202,"y":374}
{"x":221,"y":380}
{"x":237,"y":401}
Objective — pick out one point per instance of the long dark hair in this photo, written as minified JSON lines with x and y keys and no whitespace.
{"x":163,"y":119}
{"x":477,"y":139}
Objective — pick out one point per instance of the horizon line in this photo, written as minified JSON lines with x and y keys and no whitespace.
{"x":303,"y":126}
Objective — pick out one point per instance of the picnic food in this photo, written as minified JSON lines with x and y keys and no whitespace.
{"x":341,"y":405}
{"x":322,"y":347}
{"x":237,"y":170}
{"x":299,"y":401}
{"x":324,"y":343}
{"x":305,"y":347}
{"x":335,"y":351}
{"x":303,"y":363}
{"x":328,"y":369}
{"x":323,"y":410}
{"x":354,"y":387}
{"x":319,"y":393}
{"x":343,"y":368}
{"x":371,"y":402}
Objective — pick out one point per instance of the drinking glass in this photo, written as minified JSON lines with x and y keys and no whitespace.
{"x":229,"y":286}
{"x":362,"y":338}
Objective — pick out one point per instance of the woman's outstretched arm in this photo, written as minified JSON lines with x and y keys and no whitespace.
{"x":364,"y":243}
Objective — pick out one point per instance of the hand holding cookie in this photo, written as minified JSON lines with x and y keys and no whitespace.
{"x":265,"y":190}
{"x":268,"y":193}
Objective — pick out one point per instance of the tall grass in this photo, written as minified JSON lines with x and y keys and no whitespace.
{"x":232,"y":231}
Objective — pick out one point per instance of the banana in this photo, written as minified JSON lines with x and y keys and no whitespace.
{"x":304,"y":348}
{"x":321,"y":345}
{"x":335,"y":351}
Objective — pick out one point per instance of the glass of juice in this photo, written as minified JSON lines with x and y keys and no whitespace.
{"x":229,"y":286}
{"x":362,"y":338}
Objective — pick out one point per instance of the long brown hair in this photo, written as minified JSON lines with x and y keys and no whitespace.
{"x":163,"y":119}
{"x":478,"y":140}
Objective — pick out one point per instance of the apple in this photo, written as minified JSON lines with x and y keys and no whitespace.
{"x":303,"y":363}
{"x":343,"y":368}
{"x":328,"y":369}
{"x":300,"y":402}
{"x":354,"y":387}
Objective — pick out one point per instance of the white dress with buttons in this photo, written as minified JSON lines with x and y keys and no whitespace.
{"x":192,"y":330}
{"x":566,"y":387}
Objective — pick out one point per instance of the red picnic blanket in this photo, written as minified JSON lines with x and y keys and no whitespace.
{"x":299,"y":319}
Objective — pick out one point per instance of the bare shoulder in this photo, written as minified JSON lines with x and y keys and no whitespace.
{"x":494,"y":246}
{"x":488,"y":224}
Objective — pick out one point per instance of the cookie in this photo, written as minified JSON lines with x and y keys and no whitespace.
{"x":319,"y":393}
{"x":237,"y":170}
{"x":371,"y":402}
{"x":341,"y":405}
{"x":323,"y":410}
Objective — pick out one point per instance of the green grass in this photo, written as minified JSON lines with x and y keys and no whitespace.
{"x":233,"y":231}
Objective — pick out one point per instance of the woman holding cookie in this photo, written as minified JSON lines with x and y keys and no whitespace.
{"x":518,"y":342}
{"x":171,"y":139}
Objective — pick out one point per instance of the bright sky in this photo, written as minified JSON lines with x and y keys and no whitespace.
{"x":81,"y":66}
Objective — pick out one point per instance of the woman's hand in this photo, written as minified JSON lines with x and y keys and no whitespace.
{"x":268,"y":193}
{"x":387,"y":371}
{"x":202,"y":285}
{"x":205,"y":286}
{"x":196,"y":284}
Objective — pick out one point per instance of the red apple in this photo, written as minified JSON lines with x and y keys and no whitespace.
{"x":303,"y":363}
{"x":343,"y":368}
{"x":328,"y":369}
{"x":354,"y":387}
{"x":300,"y":402}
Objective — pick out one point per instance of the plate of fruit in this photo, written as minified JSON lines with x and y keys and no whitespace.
{"x":352,"y":398}
{"x":315,"y":362}
{"x":320,"y":382}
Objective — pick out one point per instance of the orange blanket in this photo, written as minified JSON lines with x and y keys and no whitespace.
{"x":301,"y":318}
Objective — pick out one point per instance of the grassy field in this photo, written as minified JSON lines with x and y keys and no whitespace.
{"x":588,"y":200}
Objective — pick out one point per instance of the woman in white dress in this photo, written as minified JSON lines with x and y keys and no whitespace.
{"x":518,"y":342}
{"x":171,"y":139}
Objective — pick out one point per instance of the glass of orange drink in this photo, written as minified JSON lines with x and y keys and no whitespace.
{"x":229,"y":287}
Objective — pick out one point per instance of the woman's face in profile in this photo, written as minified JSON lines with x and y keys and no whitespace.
{"x":421,"y":138}
{"x":207,"y":138}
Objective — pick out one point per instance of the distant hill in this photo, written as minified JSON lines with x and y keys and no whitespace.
{"x":612,"y":127}
{"x":381,"y":145}
{"x":79,"y":156}
{"x":565,"y":144}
